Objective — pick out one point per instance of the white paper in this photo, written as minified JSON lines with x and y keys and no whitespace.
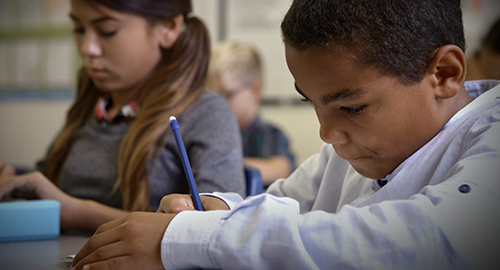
{"x":68,"y":258}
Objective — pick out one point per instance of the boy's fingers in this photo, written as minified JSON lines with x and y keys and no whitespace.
{"x":102,"y":256}
{"x":213,"y":203}
{"x":122,"y":262}
{"x":109,"y":225}
{"x":105,"y":235}
{"x":175,"y":204}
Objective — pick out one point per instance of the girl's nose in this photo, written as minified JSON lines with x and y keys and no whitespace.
{"x":89,"y":46}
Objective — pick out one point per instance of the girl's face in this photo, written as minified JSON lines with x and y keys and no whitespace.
{"x":119,"y":50}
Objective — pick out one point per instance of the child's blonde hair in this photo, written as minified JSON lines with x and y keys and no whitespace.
{"x":235,"y":60}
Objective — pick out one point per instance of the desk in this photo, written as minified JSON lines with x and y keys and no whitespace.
{"x":42,"y":255}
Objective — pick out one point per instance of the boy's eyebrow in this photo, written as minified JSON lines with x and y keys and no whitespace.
{"x":94,"y":21}
{"x":344,"y":94}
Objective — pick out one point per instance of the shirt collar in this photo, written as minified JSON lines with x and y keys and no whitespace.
{"x":127,"y":111}
{"x":474,"y":89}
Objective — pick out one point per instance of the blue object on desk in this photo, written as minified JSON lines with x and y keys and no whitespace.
{"x":29,"y":220}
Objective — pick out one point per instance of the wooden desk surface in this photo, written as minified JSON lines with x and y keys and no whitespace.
{"x":40,"y":255}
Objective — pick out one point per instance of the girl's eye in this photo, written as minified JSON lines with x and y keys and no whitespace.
{"x":354,"y":111}
{"x":78,"y":30}
{"x":108,"y":34}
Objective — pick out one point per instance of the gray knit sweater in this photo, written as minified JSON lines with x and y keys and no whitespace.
{"x":213,"y":143}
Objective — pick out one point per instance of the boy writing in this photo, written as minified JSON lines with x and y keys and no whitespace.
{"x":408,"y":177}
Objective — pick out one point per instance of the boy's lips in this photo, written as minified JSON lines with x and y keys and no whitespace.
{"x":355,"y":159}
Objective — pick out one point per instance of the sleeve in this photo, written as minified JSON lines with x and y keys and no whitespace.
{"x":213,"y":144}
{"x":266,"y":232}
{"x":304,"y":183}
{"x":452,"y":225}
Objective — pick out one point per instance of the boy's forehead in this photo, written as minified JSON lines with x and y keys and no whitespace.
{"x":321,"y":56}
{"x":321,"y":64}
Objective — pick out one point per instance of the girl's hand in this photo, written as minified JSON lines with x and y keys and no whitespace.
{"x":176,"y":203}
{"x":130,"y":242}
{"x":36,"y":183}
{"x":6,"y":170}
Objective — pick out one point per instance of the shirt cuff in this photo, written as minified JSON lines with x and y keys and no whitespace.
{"x":186,"y":240}
{"x":230,"y":198}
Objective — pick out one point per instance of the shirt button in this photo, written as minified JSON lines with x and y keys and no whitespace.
{"x":464,"y":188}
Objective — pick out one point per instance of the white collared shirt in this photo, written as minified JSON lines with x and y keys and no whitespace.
{"x":439,"y":210}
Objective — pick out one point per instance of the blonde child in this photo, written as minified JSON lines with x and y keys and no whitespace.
{"x":235,"y":71}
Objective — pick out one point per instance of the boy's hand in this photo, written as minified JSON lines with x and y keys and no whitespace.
{"x":130,"y":242}
{"x":176,"y":203}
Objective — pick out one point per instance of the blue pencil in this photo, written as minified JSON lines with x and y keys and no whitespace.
{"x":185,"y":163}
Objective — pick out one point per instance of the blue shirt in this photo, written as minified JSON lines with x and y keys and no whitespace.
{"x":263,"y":140}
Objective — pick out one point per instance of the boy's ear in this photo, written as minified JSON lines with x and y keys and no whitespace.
{"x":257,"y":89}
{"x":170,"y":31}
{"x":447,"y":70}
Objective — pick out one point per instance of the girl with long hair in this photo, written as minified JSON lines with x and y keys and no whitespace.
{"x":143,"y":61}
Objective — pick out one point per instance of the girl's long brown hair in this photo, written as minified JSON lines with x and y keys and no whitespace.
{"x":176,"y":84}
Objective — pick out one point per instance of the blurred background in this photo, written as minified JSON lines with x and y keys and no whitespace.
{"x":38,"y":65}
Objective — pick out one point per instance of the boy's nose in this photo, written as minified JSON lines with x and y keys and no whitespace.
{"x":331,"y":133}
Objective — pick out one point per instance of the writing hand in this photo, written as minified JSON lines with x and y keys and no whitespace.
{"x":176,"y":203}
{"x":130,"y":242}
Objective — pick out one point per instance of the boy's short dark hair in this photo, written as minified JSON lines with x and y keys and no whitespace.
{"x":397,"y":37}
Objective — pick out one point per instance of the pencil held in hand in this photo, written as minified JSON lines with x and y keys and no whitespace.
{"x":185,"y":163}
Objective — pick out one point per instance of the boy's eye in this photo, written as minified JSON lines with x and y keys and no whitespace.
{"x":304,"y":99}
{"x":353,"y":110}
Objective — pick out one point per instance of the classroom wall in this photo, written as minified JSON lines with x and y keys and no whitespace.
{"x":27,"y":127}
{"x":28,"y":123}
